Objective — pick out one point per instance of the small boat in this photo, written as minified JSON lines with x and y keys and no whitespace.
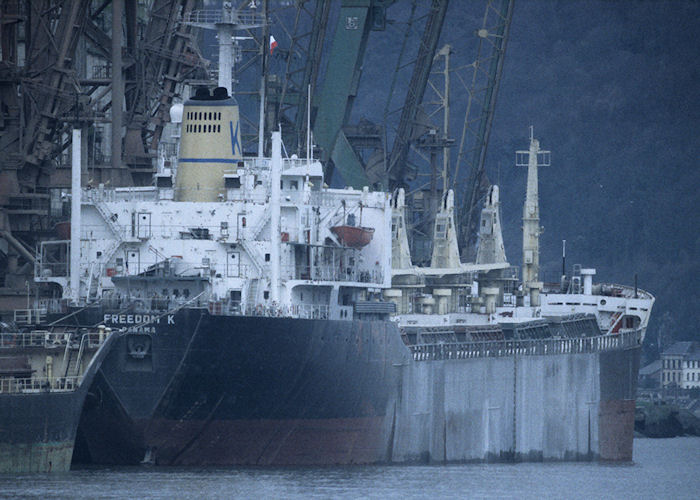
{"x":353,"y":236}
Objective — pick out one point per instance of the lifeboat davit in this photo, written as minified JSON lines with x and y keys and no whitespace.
{"x":353,"y":236}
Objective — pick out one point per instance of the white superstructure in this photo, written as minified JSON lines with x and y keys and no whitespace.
{"x":265,"y":236}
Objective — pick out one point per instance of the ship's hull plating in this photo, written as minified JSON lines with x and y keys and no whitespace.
{"x":38,"y":428}
{"x":37,"y":431}
{"x":217,"y":390}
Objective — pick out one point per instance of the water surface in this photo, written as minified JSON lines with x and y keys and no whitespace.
{"x":662,"y":468}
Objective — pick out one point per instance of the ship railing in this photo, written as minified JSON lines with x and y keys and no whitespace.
{"x":332,"y":273}
{"x":29,"y":316}
{"x":302,"y":311}
{"x":36,"y":338}
{"x":211,"y":16}
{"x":45,"y":269}
{"x":53,"y":305}
{"x":531,"y":347}
{"x":100,"y":195}
{"x":249,"y":195}
{"x":92,"y":340}
{"x":309,"y":311}
{"x":45,"y":339}
{"x":325,"y":199}
{"x":150,"y":304}
{"x":39,"y":384}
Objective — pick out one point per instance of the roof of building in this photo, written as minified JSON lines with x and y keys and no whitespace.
{"x":681,"y":348}
{"x":651,"y":368}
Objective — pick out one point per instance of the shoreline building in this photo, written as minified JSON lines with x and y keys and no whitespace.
{"x":681,"y":365}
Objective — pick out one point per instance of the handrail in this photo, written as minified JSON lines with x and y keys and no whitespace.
{"x":36,"y":338}
{"x":39,"y":384}
{"x":531,"y":347}
{"x":46,"y":340}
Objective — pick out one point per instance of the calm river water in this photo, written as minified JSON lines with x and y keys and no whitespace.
{"x":662,"y":468}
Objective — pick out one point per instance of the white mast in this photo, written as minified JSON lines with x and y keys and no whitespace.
{"x":225,"y":32}
{"x":225,"y":21}
{"x":75,"y":218}
{"x":275,"y":242}
{"x":308,"y":125}
{"x":531,"y":218}
{"x":261,"y":118}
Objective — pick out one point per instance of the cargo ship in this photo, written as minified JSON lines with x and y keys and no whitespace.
{"x":44,"y":380}
{"x":263,"y":318}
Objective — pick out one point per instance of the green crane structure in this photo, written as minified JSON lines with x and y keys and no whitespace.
{"x":356,"y":19}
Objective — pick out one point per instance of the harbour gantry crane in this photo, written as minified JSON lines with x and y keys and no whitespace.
{"x":308,"y":34}
{"x":342,"y":78}
{"x":353,"y":152}
{"x":304,"y":44}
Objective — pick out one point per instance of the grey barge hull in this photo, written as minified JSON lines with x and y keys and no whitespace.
{"x":39,"y":417}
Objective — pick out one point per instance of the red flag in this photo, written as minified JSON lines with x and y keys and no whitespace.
{"x":273,"y":44}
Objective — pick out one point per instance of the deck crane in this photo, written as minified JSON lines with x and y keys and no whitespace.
{"x":486,"y":77}
{"x":414,"y":95}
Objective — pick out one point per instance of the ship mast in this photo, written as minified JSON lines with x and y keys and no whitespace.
{"x":225,"y":21}
{"x":275,"y":242}
{"x":75,"y":215}
{"x":533,"y":158}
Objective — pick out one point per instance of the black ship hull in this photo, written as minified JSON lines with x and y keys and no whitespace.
{"x":245,"y":390}
{"x":195,"y":389}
